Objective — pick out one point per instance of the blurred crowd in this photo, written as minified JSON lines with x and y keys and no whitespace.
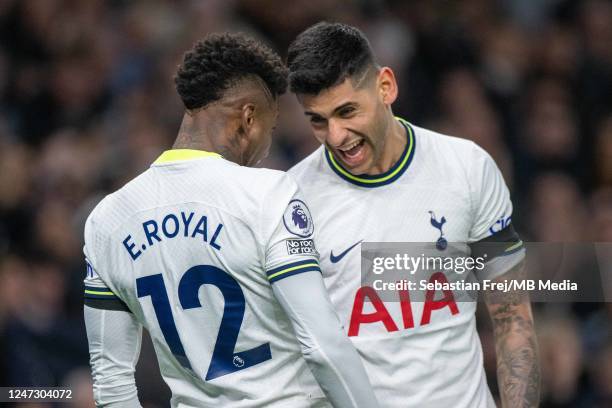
{"x":87,"y":102}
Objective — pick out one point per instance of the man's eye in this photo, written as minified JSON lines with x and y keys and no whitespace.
{"x":347,"y":111}
{"x":316,"y":120}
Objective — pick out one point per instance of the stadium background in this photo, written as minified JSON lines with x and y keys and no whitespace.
{"x":87,"y":102}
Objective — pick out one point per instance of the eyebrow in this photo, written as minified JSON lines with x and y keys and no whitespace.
{"x":339,"y":108}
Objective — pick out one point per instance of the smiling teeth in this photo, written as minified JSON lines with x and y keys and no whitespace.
{"x":349,"y":147}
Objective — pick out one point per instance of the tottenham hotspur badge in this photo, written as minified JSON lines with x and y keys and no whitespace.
{"x":297,"y":219}
{"x":441,"y":243}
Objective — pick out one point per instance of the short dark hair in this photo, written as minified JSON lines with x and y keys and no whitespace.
{"x":219,"y":60}
{"x":325,"y":55}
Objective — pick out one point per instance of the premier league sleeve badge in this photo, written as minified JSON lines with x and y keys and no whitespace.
{"x":297,"y":219}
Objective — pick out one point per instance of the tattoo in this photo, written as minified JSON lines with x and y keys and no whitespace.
{"x":192,"y":137}
{"x":230,"y":149}
{"x":516,"y":346}
{"x":184,"y":139}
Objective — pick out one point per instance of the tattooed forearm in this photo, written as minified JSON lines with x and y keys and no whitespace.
{"x":518,"y":370}
{"x":517,"y":360}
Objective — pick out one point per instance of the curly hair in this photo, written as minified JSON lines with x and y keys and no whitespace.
{"x":219,"y":60}
{"x":325,"y":55}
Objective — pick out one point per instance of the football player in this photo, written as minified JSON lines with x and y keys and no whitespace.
{"x":378,"y":178}
{"x":217,"y":260}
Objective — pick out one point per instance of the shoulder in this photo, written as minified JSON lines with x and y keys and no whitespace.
{"x":310,"y":164}
{"x":115,"y":207}
{"x":103,"y":219}
{"x":96,"y":229}
{"x":257,"y":196}
{"x":446,"y":145}
{"x":455,"y":154}
{"x":263,"y":196}
{"x":262,"y":182}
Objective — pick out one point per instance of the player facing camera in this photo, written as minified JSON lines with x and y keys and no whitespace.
{"x":407,"y":184}
{"x":347,"y":97}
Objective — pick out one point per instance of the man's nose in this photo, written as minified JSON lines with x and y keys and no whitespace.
{"x":336,"y":133}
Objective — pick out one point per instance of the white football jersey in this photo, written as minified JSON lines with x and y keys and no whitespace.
{"x":190,"y":247}
{"x":416,"y":353}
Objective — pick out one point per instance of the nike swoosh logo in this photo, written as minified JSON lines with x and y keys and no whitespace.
{"x":336,"y":259}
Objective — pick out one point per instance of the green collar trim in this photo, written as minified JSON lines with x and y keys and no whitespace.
{"x":378,"y":180}
{"x":184,"y":154}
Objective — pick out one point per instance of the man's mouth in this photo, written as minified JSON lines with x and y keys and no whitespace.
{"x":352,"y":153}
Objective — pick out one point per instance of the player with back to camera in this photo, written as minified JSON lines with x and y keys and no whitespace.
{"x":216,"y":259}
{"x":377,"y":178}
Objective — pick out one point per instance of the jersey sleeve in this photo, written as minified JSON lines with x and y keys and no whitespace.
{"x":114,"y":340}
{"x":113,"y":336}
{"x":492,"y":235}
{"x":97,"y":294}
{"x":290,"y":241}
{"x":331,"y":356}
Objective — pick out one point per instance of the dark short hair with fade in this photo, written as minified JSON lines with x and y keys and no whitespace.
{"x":325,"y":55}
{"x":220,"y":60}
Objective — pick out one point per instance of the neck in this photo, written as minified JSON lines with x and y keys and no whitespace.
{"x":395,"y":143}
{"x":205,"y":131}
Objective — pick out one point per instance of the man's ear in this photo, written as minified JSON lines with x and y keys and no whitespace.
{"x":242,"y":138}
{"x":247,"y":116}
{"x":387,"y":85}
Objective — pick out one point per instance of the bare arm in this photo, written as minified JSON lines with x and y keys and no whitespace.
{"x":518,"y":369}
